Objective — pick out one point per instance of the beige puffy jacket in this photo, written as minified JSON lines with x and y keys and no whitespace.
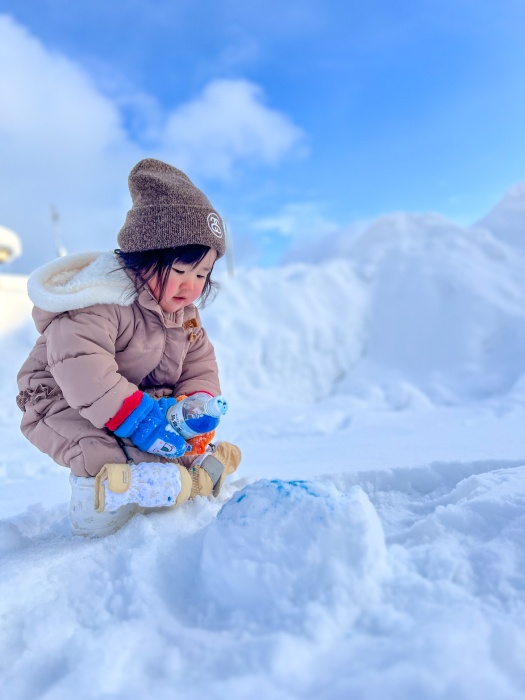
{"x":101,"y":341}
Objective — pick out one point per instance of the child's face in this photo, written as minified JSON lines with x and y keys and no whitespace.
{"x":185,"y":283}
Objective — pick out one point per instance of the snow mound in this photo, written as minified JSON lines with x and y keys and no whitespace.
{"x":289,"y":555}
{"x":445,"y":311}
{"x":17,"y":335}
{"x":295,"y":331}
{"x":420,"y":311}
{"x":14,"y":303}
{"x":507,"y":219}
{"x":406,"y":583}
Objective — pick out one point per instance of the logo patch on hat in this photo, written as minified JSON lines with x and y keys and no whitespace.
{"x":214,"y":224}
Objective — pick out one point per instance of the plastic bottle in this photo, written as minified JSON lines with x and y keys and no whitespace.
{"x":196,"y":414}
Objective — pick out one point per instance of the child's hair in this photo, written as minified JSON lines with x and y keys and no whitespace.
{"x":147,"y":264}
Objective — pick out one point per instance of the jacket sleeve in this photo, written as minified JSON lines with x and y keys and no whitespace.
{"x":81,"y":357}
{"x":199,"y":369}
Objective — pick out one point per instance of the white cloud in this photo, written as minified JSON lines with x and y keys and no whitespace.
{"x":64,"y":143}
{"x":313,"y":237}
{"x":227,"y":124}
{"x":297,"y":219}
{"x":47,"y":99}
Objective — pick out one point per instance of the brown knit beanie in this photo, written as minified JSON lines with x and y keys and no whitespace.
{"x":168,"y":211}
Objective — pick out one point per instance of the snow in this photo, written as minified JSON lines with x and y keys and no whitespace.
{"x":505,"y":220}
{"x":371,"y":543}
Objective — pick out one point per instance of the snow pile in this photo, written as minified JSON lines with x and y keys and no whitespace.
{"x":17,"y":336}
{"x":307,"y":526}
{"x":15,"y":307}
{"x":293,"y":331}
{"x":422,"y":310}
{"x":293,"y":590}
{"x":507,"y":219}
{"x":446,"y":307}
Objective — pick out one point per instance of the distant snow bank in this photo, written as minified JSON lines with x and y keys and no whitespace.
{"x":415,"y":310}
{"x":446,"y":306}
{"x":13,"y":284}
{"x":15,"y":306}
{"x":507,"y":219}
{"x":420,"y":311}
{"x":291,"y":332}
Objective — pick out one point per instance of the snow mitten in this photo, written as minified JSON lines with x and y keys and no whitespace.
{"x":148,"y":484}
{"x":209,"y":471}
{"x":199,"y":444}
{"x":144,"y":421}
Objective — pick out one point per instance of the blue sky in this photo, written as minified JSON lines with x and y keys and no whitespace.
{"x":296,"y":118}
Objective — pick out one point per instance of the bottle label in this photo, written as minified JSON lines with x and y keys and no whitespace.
{"x":160,"y":447}
{"x":176,"y":420}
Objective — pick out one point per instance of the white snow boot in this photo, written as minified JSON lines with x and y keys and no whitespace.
{"x":85,"y":520}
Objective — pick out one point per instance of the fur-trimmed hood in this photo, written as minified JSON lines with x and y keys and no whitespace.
{"x":80,"y":280}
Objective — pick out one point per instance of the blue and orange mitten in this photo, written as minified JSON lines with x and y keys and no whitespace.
{"x":143,"y":420}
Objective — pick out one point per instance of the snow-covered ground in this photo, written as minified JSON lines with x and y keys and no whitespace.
{"x":371,"y":544}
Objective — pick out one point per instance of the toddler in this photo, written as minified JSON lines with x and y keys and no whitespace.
{"x":120,"y":340}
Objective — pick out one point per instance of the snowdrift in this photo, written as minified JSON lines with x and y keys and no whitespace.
{"x":446,"y":306}
{"x":421,"y":309}
{"x":405,"y":584}
{"x":291,"y":333}
{"x":507,"y":219}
